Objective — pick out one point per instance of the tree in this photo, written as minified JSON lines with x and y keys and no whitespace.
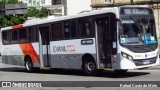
{"x":33,"y":12}
{"x":10,"y":20}
{"x":3,"y":21}
{"x":3,"y":2}
{"x":13,"y":2}
{"x":42,"y":12}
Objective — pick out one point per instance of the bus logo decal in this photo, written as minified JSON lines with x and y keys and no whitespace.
{"x":59,"y":49}
{"x":71,"y":48}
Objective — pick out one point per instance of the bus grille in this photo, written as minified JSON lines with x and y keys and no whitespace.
{"x":142,"y":61}
{"x":141,"y":48}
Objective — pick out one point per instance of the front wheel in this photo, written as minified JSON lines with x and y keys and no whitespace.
{"x":89,"y":67}
{"x":28,"y":65}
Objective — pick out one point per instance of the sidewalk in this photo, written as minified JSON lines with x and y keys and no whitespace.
{"x":154,"y":67}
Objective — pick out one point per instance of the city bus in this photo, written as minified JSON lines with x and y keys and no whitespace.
{"x":118,"y":38}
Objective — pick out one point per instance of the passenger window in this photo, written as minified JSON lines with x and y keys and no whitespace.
{"x":56,"y":31}
{"x":14,"y":36}
{"x":23,"y":35}
{"x":73,"y":29}
{"x":32,"y":34}
{"x":6,"y":37}
{"x":66,"y":30}
{"x":85,"y":29}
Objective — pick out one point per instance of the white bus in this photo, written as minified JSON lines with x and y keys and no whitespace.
{"x":118,"y":38}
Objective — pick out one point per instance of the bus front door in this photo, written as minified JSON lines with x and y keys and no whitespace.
{"x":44,"y":46}
{"x":104,"y":42}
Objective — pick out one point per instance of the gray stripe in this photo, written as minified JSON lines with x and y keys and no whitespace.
{"x":13,"y":60}
{"x":17,"y":60}
{"x":70,"y":61}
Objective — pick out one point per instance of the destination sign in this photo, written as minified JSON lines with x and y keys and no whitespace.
{"x":135,"y":11}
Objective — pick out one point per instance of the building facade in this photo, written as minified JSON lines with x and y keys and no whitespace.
{"x":34,"y":3}
{"x":70,"y":7}
{"x":61,"y":7}
{"x":77,"y":6}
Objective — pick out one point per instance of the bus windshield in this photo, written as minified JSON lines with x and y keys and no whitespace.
{"x":138,"y":30}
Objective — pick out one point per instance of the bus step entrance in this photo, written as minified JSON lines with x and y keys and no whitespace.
{"x":45,"y":68}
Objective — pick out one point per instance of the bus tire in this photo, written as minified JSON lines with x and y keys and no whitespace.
{"x":28,"y":65}
{"x":89,"y":67}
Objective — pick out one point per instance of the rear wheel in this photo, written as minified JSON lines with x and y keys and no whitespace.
{"x":89,"y":67}
{"x":28,"y":65}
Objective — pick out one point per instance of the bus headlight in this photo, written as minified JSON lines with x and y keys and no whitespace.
{"x":126,"y":56}
{"x":130,"y":57}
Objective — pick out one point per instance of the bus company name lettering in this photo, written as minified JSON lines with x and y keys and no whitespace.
{"x":69,"y":48}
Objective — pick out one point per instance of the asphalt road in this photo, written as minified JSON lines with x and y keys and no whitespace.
{"x":16,"y":73}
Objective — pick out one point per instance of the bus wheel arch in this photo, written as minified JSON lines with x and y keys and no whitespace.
{"x":28,"y":63}
{"x":88,"y":64}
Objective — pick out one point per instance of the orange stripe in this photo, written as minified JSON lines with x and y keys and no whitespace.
{"x":17,"y":26}
{"x":28,"y":49}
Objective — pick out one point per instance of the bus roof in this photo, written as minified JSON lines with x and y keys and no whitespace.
{"x":49,"y":20}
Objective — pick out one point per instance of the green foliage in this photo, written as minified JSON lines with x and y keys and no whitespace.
{"x":3,"y":21}
{"x":43,"y":12}
{"x":22,"y":19}
{"x":2,"y":2}
{"x":33,"y":12}
{"x":12,"y":2}
{"x":10,"y":20}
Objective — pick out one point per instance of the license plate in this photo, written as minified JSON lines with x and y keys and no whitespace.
{"x":146,"y":62}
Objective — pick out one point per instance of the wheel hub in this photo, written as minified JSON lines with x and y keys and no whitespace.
{"x":90,"y":66}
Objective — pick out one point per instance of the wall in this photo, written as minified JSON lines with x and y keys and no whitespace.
{"x":37,"y":3}
{"x":76,"y":6}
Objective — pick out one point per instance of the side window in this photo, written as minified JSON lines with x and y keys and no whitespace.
{"x":23,"y":35}
{"x":44,"y":31}
{"x":32,"y":34}
{"x":81,"y":27}
{"x":56,"y":31}
{"x":73,"y":29}
{"x":85,"y":27}
{"x":14,"y":36}
{"x":66,"y":29}
{"x":53,"y":31}
{"x":6,"y":37}
{"x":113,"y":28}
